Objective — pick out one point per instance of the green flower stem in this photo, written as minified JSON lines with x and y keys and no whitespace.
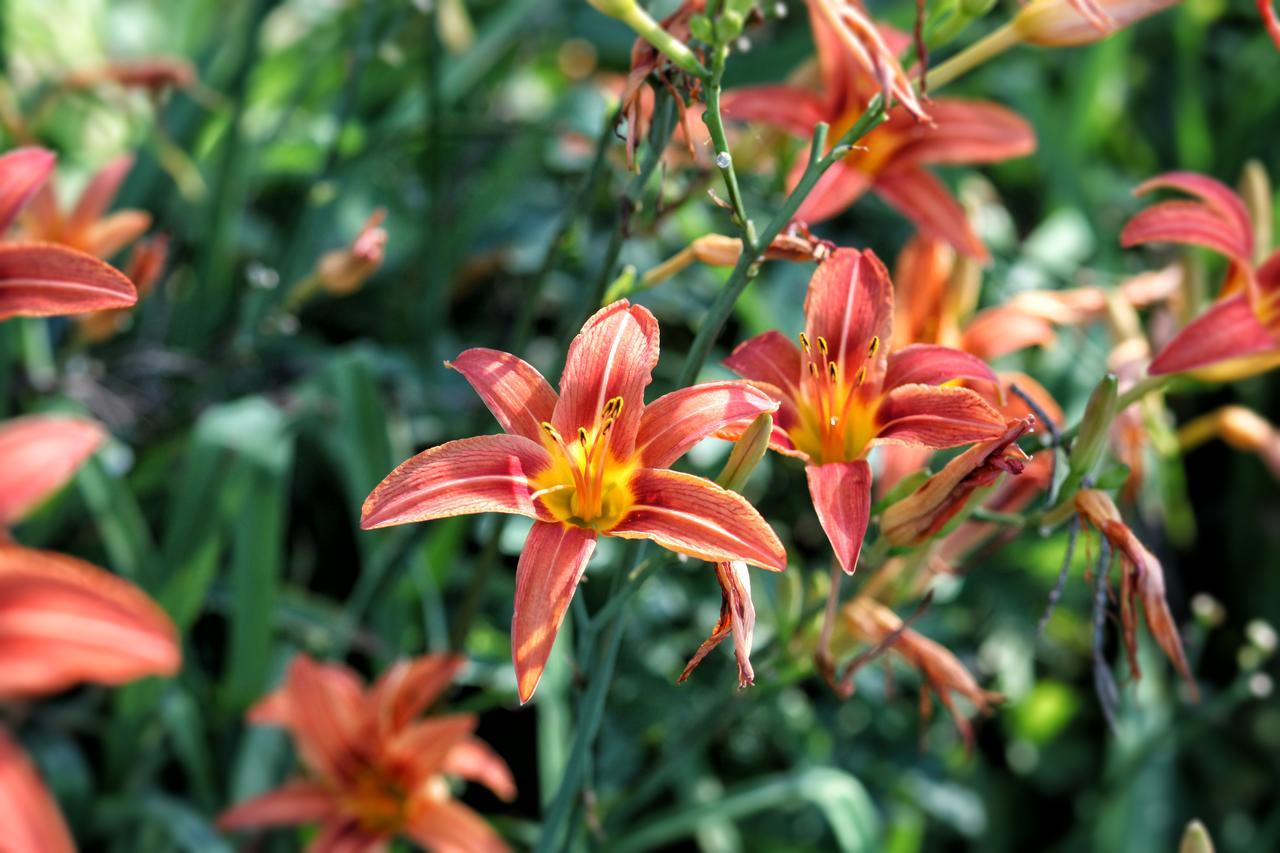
{"x":748,"y":262}
{"x":714,"y":121}
{"x":974,"y":55}
{"x":635,"y":17}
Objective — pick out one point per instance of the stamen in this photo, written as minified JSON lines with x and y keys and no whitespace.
{"x":873,"y":346}
{"x":822,"y":345}
{"x":813,"y":370}
{"x":860,"y":378}
{"x":831,"y":369}
{"x":582,"y":436}
{"x":804,"y":342}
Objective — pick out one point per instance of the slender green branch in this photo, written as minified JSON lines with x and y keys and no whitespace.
{"x":714,"y":121}
{"x":631,"y":14}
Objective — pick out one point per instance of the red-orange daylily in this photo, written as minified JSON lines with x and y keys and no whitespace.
{"x":86,"y":226}
{"x":890,"y":160}
{"x":1240,"y":333}
{"x":590,"y":462}
{"x":376,"y":769}
{"x":62,"y":620}
{"x":42,"y":279}
{"x":845,"y":393}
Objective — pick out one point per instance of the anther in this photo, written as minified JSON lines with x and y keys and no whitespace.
{"x":831,"y":368}
{"x":813,"y":370}
{"x":861,"y":377}
{"x":804,"y":341}
{"x":582,"y":436}
{"x":822,"y":345}
{"x":873,"y":346}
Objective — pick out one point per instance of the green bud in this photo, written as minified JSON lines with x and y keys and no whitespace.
{"x":747,"y":453}
{"x":622,"y":285}
{"x":1196,"y":839}
{"x":729,"y":25}
{"x":973,"y":9}
{"x":700,"y":28}
{"x":740,"y":7}
{"x":1095,"y":427}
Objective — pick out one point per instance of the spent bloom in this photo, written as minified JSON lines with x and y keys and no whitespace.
{"x":1239,"y":334}
{"x":843,"y":392}
{"x":343,"y":271}
{"x":376,"y":768}
{"x":591,"y":461}
{"x":890,"y":160}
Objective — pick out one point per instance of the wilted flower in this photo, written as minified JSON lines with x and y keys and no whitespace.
{"x":737,"y":617}
{"x":41,"y":279}
{"x":869,"y":620}
{"x":592,"y":461}
{"x":889,"y":160}
{"x":844,"y":392}
{"x":919,"y":516}
{"x":343,"y":271}
{"x":376,"y":770}
{"x":1240,"y":333}
{"x":153,"y":74}
{"x":795,"y":244}
{"x":1142,"y":581}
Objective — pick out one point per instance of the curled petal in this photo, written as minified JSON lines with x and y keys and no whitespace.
{"x":22,"y":173}
{"x":31,"y":819}
{"x":107,"y":236}
{"x":448,"y":825}
{"x":489,"y":473}
{"x":1228,"y":330}
{"x":409,"y":687}
{"x":920,"y":515}
{"x":38,"y":455}
{"x":691,"y":515}
{"x":43,"y":280}
{"x":790,"y":108}
{"x":551,"y":565}
{"x":924,"y":200}
{"x":838,"y":188}
{"x":613,"y":356}
{"x":1215,"y":198}
{"x":1187,"y":222}
{"x":1004,"y":329}
{"x":849,"y":307}
{"x":475,"y":761}
{"x":675,"y":422}
{"x":64,"y":621}
{"x":289,"y":805}
{"x":927,"y":364}
{"x":737,"y":617}
{"x":869,"y":50}
{"x":966,"y":132}
{"x":512,"y":388}
{"x":771,"y":358}
{"x":932,"y":416}
{"x":841,"y":493}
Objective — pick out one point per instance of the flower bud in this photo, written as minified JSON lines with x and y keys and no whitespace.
{"x":1095,"y":427}
{"x":1255,"y":189}
{"x":747,"y":453}
{"x":343,"y":271}
{"x":1064,"y":23}
{"x":1195,"y":839}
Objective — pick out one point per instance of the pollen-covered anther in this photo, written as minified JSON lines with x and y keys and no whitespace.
{"x":873,"y":347}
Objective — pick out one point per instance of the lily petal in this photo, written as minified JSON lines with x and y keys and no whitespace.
{"x":1216,"y":199}
{"x":693,"y":516}
{"x":107,"y":236}
{"x":22,"y":173}
{"x":924,"y":200}
{"x":921,"y":275}
{"x":1228,"y":330}
{"x":1004,"y":329}
{"x":850,"y":306}
{"x":966,"y":132}
{"x":790,"y":108}
{"x":933,"y":416}
{"x":31,"y":819}
{"x":475,"y":761}
{"x":512,"y":388}
{"x":64,"y":621}
{"x":44,"y":280}
{"x":838,"y":188}
{"x":453,"y":827}
{"x":421,"y":748}
{"x":1187,"y":222}
{"x":737,"y":617}
{"x":38,"y":455}
{"x":927,"y":364}
{"x":553,"y":560}
{"x":289,"y":805}
{"x":326,"y":717}
{"x":99,"y":193}
{"x":675,"y":422}
{"x":489,"y":473}
{"x":613,"y":356}
{"x":841,"y":493}
{"x":276,"y":708}
{"x":772,"y":358}
{"x":409,"y":687}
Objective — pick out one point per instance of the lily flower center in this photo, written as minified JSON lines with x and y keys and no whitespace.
{"x":838,"y":422}
{"x":378,"y":801}
{"x":586,"y":485}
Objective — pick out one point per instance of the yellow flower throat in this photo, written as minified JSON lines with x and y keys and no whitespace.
{"x":837,"y":423}
{"x":586,"y":485}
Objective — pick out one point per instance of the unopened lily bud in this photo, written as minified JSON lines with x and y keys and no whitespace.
{"x":1064,"y":23}
{"x":974,"y":9}
{"x":1255,"y":189}
{"x":747,"y":453}
{"x":920,"y":515}
{"x":1195,"y":839}
{"x":343,"y":271}
{"x":1095,"y":428}
{"x":1243,"y":429}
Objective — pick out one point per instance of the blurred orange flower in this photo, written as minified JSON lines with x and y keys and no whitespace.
{"x":86,"y":226}
{"x":376,"y":770}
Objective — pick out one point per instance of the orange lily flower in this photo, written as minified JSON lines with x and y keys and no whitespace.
{"x":86,"y":226}
{"x":62,"y":620}
{"x":590,"y":462}
{"x":376,"y":769}
{"x":890,"y":160}
{"x":41,"y":279}
{"x":1240,"y":333}
{"x":845,"y":393}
